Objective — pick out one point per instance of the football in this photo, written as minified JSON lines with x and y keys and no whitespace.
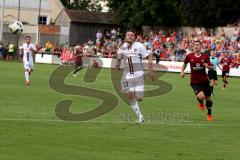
{"x":16,"y":27}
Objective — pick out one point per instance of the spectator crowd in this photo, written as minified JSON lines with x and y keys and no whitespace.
{"x":170,"y":46}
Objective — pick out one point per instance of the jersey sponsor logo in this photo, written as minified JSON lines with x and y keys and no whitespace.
{"x":197,"y":67}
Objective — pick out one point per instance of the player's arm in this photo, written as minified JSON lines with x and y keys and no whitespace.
{"x":146,"y":55}
{"x":218,"y":64}
{"x":21,"y":51}
{"x":232,"y":63}
{"x":152,"y":75}
{"x":119,"y":58}
{"x":118,"y":64}
{"x":208,"y":65}
{"x":184,"y":66}
{"x":33,"y":49}
{"x":150,"y":62}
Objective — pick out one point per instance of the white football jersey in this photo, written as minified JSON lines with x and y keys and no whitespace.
{"x":27,"y":53}
{"x":132,"y":58}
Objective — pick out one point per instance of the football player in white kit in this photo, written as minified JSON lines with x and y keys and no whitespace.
{"x":28,"y":49}
{"x":132,"y":82}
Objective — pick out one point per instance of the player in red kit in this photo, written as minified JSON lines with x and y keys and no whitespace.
{"x":226,"y":62}
{"x":199,"y":79}
{"x":78,"y":59}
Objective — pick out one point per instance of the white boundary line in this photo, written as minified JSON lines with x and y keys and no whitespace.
{"x":107,"y":122}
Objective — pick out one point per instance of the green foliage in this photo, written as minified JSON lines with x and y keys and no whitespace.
{"x":90,"y":5}
{"x":206,"y":13}
{"x":209,"y":13}
{"x":135,"y":13}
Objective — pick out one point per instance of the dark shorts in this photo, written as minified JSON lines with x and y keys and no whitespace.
{"x":225,"y":74}
{"x":202,"y":87}
{"x":78,"y":65}
{"x":10,"y":53}
{"x":4,"y":55}
{"x":212,"y":75}
{"x":78,"y":61}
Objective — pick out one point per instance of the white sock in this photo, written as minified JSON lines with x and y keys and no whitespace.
{"x":27,"y":76}
{"x":135,"y":107}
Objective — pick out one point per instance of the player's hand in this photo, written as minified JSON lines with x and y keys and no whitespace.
{"x":152,"y":75}
{"x":117,"y":67}
{"x":182,"y":74}
{"x":205,"y":65}
{"x":32,"y":49}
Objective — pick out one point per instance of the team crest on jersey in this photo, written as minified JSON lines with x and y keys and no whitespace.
{"x":192,"y":60}
{"x":124,"y":46}
{"x":202,"y":60}
{"x":135,"y":49}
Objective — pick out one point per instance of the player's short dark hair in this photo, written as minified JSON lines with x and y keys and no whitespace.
{"x":28,"y":37}
{"x":131,"y":30}
{"x":197,"y":41}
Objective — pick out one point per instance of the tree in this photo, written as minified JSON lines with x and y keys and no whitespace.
{"x":205,"y":13}
{"x":90,"y":5}
{"x":94,"y":6}
{"x":209,"y":13}
{"x":66,"y":3}
{"x":135,"y":13}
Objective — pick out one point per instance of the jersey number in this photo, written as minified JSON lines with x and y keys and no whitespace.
{"x":125,"y":84}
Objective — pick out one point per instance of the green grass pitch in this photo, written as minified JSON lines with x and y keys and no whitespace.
{"x":30,"y":130}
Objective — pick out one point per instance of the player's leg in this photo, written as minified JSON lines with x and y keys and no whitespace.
{"x":27,"y":70}
{"x":207,"y":93}
{"x":135,"y":106}
{"x":31,"y":67}
{"x":127,"y":86}
{"x":5,"y":57}
{"x":215,"y":82}
{"x":212,"y":75}
{"x":215,"y":78}
{"x":212,"y":83}
{"x":75,"y":71}
{"x":11,"y":56}
{"x":200,"y":98}
{"x":209,"y":104}
{"x":27,"y":77}
{"x":197,"y":88}
{"x":224,"y":78}
{"x":8,"y":56}
{"x":139,"y":93}
{"x":78,"y":67}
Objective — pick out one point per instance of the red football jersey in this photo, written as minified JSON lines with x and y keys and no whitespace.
{"x":198,"y":70}
{"x":226,"y":61}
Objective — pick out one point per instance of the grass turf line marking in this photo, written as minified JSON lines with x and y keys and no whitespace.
{"x":105,"y":122}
